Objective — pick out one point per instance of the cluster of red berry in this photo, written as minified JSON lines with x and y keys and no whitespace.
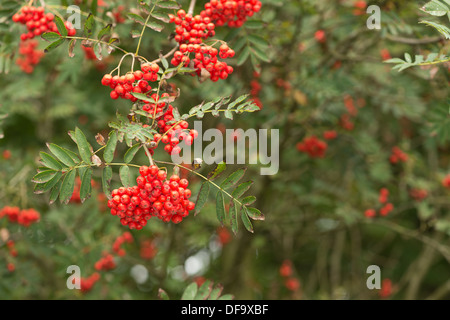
{"x":224,"y":235}
{"x":418,"y":194}
{"x":6,"y":154}
{"x":126,"y":237}
{"x":136,"y":82}
{"x":25,"y":217}
{"x":233,"y":13}
{"x":446,"y":181}
{"x":11,"y":247}
{"x":87,"y":283}
{"x":346,"y":120}
{"x":359,"y":8}
{"x":105,"y":263}
{"x":167,"y":200}
{"x":170,"y":133}
{"x":29,"y":56}
{"x":386,"y":289}
{"x":330,"y":135}
{"x":191,"y":31}
{"x":385,"y":209}
{"x":320,"y":36}
{"x":291,"y":283}
{"x":398,"y":155}
{"x":313,"y":146}
{"x":89,"y":53}
{"x":148,"y":250}
{"x":37,"y":22}
{"x":255,"y":89}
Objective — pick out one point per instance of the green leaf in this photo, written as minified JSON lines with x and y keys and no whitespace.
{"x":55,"y":191}
{"x":245,"y":220}
{"x":110,"y":147}
{"x":44,"y":176}
{"x":243,"y":56}
{"x":44,"y":187}
{"x":83,"y":146}
{"x":94,"y":5}
{"x":86,"y":186}
{"x":248,"y":200}
{"x":233,"y":217}
{"x":204,"y":291}
{"x":106,"y":181}
{"x":136,"y":18}
{"x":435,"y":8}
{"x":221,"y":166}
{"x":129,"y":155}
{"x":259,"y":41}
{"x":260,"y":54}
{"x":254,"y":24}
{"x":105,"y":31}
{"x":202,"y":197}
{"x":155,"y":26}
{"x":216,"y":292}
{"x":190,"y":292}
{"x":228,"y":114}
{"x":241,"y":189}
{"x":161,"y":16}
{"x":142,"y":97}
{"x":60,"y":25}
{"x":50,"y":162}
{"x":54,"y":45}
{"x":254,"y":213}
{"x":89,"y":25}
{"x":67,"y":187}
{"x":61,"y":154}
{"x":162,"y":295}
{"x":125,"y":178}
{"x":226,"y":297}
{"x":238,"y":100}
{"x":233,"y":178}
{"x":168,"y":4}
{"x":220,"y":207}
{"x":50,"y":36}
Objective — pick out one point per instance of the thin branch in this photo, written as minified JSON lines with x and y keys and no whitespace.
{"x":191,"y":7}
{"x":414,"y":41}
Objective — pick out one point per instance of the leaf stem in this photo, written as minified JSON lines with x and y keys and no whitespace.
{"x":143,"y":30}
{"x":201,"y":176}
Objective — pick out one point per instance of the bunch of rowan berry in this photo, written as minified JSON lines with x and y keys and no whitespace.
{"x":190,"y":33}
{"x":87,"y":283}
{"x":37,"y":22}
{"x":313,"y":146}
{"x":24,"y":217}
{"x":398,"y":155}
{"x":126,"y":237}
{"x":291,"y":282}
{"x":418,"y":194}
{"x":154,"y":196}
{"x":382,"y":199}
{"x":11,"y":247}
{"x":105,"y":263}
{"x":206,"y":58}
{"x":136,"y":82}
{"x":233,"y":13}
{"x":330,"y":135}
{"x":29,"y":56}
{"x":148,"y":250}
{"x":191,"y":29}
{"x":446,"y":181}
